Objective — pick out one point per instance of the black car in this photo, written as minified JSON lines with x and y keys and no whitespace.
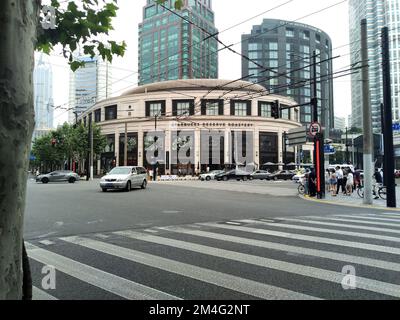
{"x":233,"y":175}
{"x":260,"y":175}
{"x":282,"y":175}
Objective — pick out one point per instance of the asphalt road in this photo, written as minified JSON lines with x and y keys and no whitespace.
{"x":196,"y":241}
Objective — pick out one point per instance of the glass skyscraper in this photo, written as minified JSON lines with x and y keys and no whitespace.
{"x":43,"y":94}
{"x":171,"y":48}
{"x":375,"y":11}
{"x":285,"y":49}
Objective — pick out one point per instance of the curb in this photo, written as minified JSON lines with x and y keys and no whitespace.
{"x":349,"y":205}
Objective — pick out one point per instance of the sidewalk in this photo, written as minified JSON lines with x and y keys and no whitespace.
{"x":355,"y":201}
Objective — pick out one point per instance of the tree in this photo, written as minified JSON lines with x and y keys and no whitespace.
{"x":22,"y":33}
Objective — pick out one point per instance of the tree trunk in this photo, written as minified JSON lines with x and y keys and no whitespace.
{"x":18,"y":23}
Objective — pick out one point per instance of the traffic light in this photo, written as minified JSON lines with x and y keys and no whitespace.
{"x":275,"y":110}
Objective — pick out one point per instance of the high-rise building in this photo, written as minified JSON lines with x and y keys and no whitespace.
{"x":283,"y":54}
{"x":43,"y":95}
{"x":171,"y":48}
{"x":340,"y":123}
{"x":378,"y":13}
{"x":88,"y":85}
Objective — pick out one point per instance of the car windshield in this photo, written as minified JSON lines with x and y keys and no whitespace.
{"x":120,"y":171}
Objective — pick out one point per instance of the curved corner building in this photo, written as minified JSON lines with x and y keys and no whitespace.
{"x":188,"y":126}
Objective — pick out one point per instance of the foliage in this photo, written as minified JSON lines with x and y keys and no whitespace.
{"x":79,"y":27}
{"x":355,"y":130}
{"x":67,"y":142}
{"x":178,"y":3}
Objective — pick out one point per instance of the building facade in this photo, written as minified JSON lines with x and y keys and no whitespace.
{"x":43,"y":93}
{"x":187,"y":128}
{"x":283,"y":54}
{"x":340,"y":123}
{"x":171,"y":48}
{"x":88,"y":85}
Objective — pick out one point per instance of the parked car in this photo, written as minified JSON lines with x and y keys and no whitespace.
{"x":124,"y":178}
{"x":282,"y":175}
{"x":260,"y":175}
{"x":210,"y":175}
{"x":58,"y":176}
{"x":233,"y":175}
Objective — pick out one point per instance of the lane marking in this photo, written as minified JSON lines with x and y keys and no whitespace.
{"x":101,"y":279}
{"x":362,"y":222}
{"x":319,"y":240}
{"x":47,"y":242}
{"x":367,"y":217}
{"x":220,"y":279}
{"x":293,"y":268}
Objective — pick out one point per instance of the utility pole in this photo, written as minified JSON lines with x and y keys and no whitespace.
{"x":88,"y":155}
{"x":284,"y":150}
{"x":91,"y":147}
{"x":319,"y":159}
{"x":367,"y":121}
{"x":388,"y":168}
{"x":347,"y":146}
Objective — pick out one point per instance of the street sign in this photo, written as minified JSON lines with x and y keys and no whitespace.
{"x":328,"y":149}
{"x":314,"y":129}
{"x":297,"y":136}
{"x":396,"y":126}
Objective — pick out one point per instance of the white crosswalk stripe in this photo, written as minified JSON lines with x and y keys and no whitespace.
{"x":375,"y":263}
{"x":114,"y":284}
{"x":238,"y":284}
{"x":39,"y":294}
{"x":324,"y":230}
{"x":321,"y":274}
{"x":233,"y":241}
{"x":324,"y":240}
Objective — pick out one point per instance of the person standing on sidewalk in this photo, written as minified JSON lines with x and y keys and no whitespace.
{"x":339,"y":175}
{"x":312,"y":183}
{"x":332,"y":182}
{"x":349,"y":183}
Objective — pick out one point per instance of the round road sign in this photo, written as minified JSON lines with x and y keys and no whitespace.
{"x":315,"y":128}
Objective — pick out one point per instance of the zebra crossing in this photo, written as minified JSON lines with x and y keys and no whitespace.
{"x":293,"y":258}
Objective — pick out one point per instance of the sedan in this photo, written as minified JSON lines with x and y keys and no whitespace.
{"x":260,"y":175}
{"x":210,"y":175}
{"x":282,"y":175}
{"x":124,"y":178}
{"x":233,"y":174}
{"x":58,"y":176}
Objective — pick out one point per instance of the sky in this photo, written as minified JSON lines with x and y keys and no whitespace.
{"x":334,"y":21}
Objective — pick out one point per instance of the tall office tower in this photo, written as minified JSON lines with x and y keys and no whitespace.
{"x":88,"y":85}
{"x":286,"y":50}
{"x":377,"y":13}
{"x":43,"y":94}
{"x":171,"y":48}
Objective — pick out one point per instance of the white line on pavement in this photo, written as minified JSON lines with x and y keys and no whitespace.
{"x":38,"y":294}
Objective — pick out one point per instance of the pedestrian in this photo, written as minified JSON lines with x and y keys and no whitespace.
{"x":305,"y":183}
{"x":349,"y":183}
{"x":357,"y":178}
{"x":332,"y":182}
{"x":327,"y":177}
{"x":339,"y":175}
{"x":151,"y":174}
{"x":312,"y":183}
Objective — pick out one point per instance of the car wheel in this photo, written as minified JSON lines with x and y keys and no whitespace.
{"x":128,"y":186}
{"x":208,"y":178}
{"x":202,"y":179}
{"x":251,"y":179}
{"x":225,"y":179}
{"x":144,"y":184}
{"x":275,"y":178}
{"x":104,"y":189}
{"x":45,"y":180}
{"x":71,"y":180}
{"x":244,"y":178}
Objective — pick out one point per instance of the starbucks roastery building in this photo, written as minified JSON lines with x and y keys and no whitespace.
{"x":187,"y":126}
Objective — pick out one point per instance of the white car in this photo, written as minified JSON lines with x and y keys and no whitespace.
{"x":210,"y":175}
{"x":124,"y":178}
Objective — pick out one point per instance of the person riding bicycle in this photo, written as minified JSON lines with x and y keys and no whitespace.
{"x":378,"y":182}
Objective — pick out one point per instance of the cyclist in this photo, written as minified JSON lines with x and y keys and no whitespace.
{"x":378,"y":182}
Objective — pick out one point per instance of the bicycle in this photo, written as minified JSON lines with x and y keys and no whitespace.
{"x":301,"y":189}
{"x":382,"y":193}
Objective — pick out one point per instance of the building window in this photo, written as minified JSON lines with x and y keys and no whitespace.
{"x":289,"y":33}
{"x":97,"y":115}
{"x":285,"y":114}
{"x":212,"y":107}
{"x":255,"y":46}
{"x":183,"y":107}
{"x":155,"y":108}
{"x":264,"y":109}
{"x":110,"y":113}
{"x":241,"y":108}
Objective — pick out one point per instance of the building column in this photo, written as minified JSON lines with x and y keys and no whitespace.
{"x":256,"y":150}
{"x":117,"y":147}
{"x":99,"y":167}
{"x":280,"y":148}
{"x":227,"y":146}
{"x":167,"y":149}
{"x":140,"y":147}
{"x":197,"y":145}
